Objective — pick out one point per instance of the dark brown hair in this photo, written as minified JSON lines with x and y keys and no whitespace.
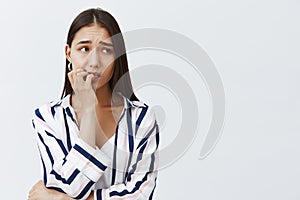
{"x":120,"y":75}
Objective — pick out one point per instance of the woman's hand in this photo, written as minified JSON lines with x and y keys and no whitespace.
{"x":85,"y":101}
{"x":81,"y":82}
{"x":40,"y":192}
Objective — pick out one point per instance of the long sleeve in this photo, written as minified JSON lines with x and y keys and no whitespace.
{"x":140,"y":180}
{"x":69,"y":169}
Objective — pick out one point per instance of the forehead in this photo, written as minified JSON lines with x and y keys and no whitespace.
{"x":94,"y":32}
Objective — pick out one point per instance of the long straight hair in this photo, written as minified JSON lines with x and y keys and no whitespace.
{"x":120,"y":75}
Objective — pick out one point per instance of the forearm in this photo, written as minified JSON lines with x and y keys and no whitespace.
{"x":74,"y":170}
{"x":40,"y":192}
{"x":90,"y":129}
{"x":88,"y":124}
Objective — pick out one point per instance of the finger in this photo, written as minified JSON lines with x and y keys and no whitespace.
{"x":80,"y":78}
{"x":78,"y":69}
{"x":81,"y":75}
{"x":75,"y":72}
{"x":89,"y":79}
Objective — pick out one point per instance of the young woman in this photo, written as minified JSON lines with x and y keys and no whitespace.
{"x":98,"y":141}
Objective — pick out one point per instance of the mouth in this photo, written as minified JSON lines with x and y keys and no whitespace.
{"x":96,"y":75}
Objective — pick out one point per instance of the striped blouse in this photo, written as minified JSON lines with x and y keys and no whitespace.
{"x":125,"y":167}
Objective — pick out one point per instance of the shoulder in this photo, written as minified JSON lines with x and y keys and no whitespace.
{"x":144,"y":117}
{"x":146,"y":126}
{"x":48,"y":111}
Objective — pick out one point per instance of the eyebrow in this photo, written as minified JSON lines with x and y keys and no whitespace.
{"x":106,"y":44}
{"x":90,"y":42}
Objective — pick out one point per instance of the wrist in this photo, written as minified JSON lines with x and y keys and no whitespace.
{"x":80,"y":105}
{"x":87,"y":110}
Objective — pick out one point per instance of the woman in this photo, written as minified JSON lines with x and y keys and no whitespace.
{"x":98,"y":141}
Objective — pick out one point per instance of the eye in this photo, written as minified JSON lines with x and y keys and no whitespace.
{"x":84,"y":49}
{"x":107,"y":50}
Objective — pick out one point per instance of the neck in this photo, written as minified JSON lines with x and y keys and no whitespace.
{"x":106,"y":99}
{"x":104,"y":95}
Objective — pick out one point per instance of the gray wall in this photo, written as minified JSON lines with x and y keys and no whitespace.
{"x":255,"y":48}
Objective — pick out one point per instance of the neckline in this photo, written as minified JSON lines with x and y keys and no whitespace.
{"x":67,"y":101}
{"x":68,"y":104}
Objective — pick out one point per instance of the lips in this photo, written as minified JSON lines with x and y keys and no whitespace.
{"x":96,"y":75}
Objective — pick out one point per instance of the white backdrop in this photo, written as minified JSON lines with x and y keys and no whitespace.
{"x":255,"y":46}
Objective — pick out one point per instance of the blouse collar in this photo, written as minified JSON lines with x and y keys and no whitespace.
{"x":65,"y":102}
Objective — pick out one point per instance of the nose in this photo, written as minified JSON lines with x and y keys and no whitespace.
{"x":94,"y":59}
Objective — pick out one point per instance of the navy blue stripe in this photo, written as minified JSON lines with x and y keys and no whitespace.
{"x":63,"y":180}
{"x":128,"y":164}
{"x":142,"y":150}
{"x":85,"y":190}
{"x":99,"y":194}
{"x":47,"y":149}
{"x":68,"y":110}
{"x":90,"y":157}
{"x":64,"y":161}
{"x":57,"y":176}
{"x":130,"y":132}
{"x":67,"y":131}
{"x":152,"y":163}
{"x":140,"y":156}
{"x":44,"y":171}
{"x":140,"y":118}
{"x":58,"y":103}
{"x":113,"y":175}
{"x":128,"y":103}
{"x":44,"y":168}
{"x":136,"y":129}
{"x":142,"y":115}
{"x":126,"y":192}
{"x":151,"y":195}
{"x":52,"y":111}
{"x":147,"y":136}
{"x":157,"y":136}
{"x":32,"y":121}
{"x":130,"y":140}
{"x":157,"y":143}
{"x":60,"y":143}
{"x":37,"y":113}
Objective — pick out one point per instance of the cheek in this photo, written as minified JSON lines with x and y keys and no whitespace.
{"x":107,"y":61}
{"x":107,"y":75}
{"x":76,"y":59}
{"x":77,"y":63}
{"x":110,"y":70}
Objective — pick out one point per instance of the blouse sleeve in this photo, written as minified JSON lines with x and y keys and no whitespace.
{"x":141,"y":178}
{"x":69,"y":169}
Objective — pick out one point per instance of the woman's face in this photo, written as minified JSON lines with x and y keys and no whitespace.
{"x":92,"y":50}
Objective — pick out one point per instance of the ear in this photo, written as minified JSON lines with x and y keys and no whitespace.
{"x":68,"y":52}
